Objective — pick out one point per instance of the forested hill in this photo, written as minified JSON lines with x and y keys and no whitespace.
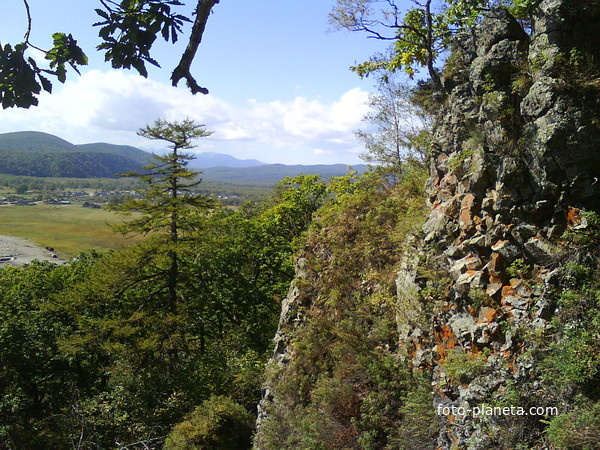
{"x":36,"y":154}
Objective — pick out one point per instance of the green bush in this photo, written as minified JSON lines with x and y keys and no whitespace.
{"x":579,"y":429}
{"x":347,"y":386}
{"x":218,"y":424}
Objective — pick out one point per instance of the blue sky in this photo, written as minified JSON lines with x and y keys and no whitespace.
{"x":280,"y":87}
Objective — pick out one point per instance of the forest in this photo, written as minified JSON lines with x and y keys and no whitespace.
{"x":461,"y":271}
{"x":110,"y":349}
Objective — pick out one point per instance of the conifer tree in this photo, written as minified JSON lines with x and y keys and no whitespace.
{"x":166,"y":203}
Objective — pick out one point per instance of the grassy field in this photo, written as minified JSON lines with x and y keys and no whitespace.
{"x":70,"y":229}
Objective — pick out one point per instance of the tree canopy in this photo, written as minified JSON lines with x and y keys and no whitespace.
{"x":398,"y":128}
{"x":420,"y":34}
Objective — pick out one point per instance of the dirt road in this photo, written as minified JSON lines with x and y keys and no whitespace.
{"x":18,"y":251}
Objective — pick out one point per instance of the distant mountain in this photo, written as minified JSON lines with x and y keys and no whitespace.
{"x":270,"y":174}
{"x":210,"y":159}
{"x":36,"y":154}
{"x":34,"y":140}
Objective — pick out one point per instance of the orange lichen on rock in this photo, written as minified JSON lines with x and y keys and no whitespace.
{"x":573,"y":216}
{"x":487,"y":314}
{"x":445,"y":339}
{"x":465,"y":220}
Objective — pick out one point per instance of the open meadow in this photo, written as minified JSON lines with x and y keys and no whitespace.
{"x":69,"y":229}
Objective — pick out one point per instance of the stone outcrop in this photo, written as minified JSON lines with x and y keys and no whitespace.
{"x":517,"y":156}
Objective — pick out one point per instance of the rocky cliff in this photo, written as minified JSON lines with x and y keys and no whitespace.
{"x":497,"y":296}
{"x":517,"y":161}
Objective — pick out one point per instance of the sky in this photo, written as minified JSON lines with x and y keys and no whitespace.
{"x":280,"y":86}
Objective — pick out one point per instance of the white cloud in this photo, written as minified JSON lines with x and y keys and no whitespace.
{"x":111,"y":106}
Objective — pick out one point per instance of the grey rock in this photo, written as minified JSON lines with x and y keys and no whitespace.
{"x":541,"y":97}
{"x":497,"y":26}
{"x":435,"y":225}
{"x":463,"y":326}
{"x":507,"y":250}
{"x":540,"y":249}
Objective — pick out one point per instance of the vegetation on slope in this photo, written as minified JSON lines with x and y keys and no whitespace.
{"x":92,"y":355}
{"x":95,"y":354}
{"x":64,"y":164}
{"x":35,"y":154}
{"x":348,"y":384}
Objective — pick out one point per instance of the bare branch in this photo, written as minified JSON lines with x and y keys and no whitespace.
{"x":29,"y":24}
{"x":183,"y":69}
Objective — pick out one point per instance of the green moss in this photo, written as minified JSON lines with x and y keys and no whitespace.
{"x":457,"y":161}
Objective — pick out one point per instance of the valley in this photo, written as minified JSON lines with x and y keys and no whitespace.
{"x":68,"y":228}
{"x":447,"y":297}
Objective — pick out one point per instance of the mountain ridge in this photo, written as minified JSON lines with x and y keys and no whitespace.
{"x":39,"y":154}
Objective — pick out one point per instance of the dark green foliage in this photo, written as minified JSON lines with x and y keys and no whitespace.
{"x":523,"y":9}
{"x":129,"y":29}
{"x":132,"y":153}
{"x":92,"y":351}
{"x":52,"y":184}
{"x":64,"y":51}
{"x":19,"y":83}
{"x":21,"y":80}
{"x":40,"y":387}
{"x":21,"y":189}
{"x":25,"y":141}
{"x":420,"y":32}
{"x":34,"y":140}
{"x":166,"y":203}
{"x":44,"y":155}
{"x":243,"y":261}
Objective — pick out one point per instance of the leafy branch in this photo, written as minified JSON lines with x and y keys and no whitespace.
{"x":130,"y":28}
{"x":420,"y":34}
{"x":21,"y":79}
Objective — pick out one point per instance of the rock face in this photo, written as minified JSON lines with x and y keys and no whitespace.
{"x":289,"y":319}
{"x":516,"y":159}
